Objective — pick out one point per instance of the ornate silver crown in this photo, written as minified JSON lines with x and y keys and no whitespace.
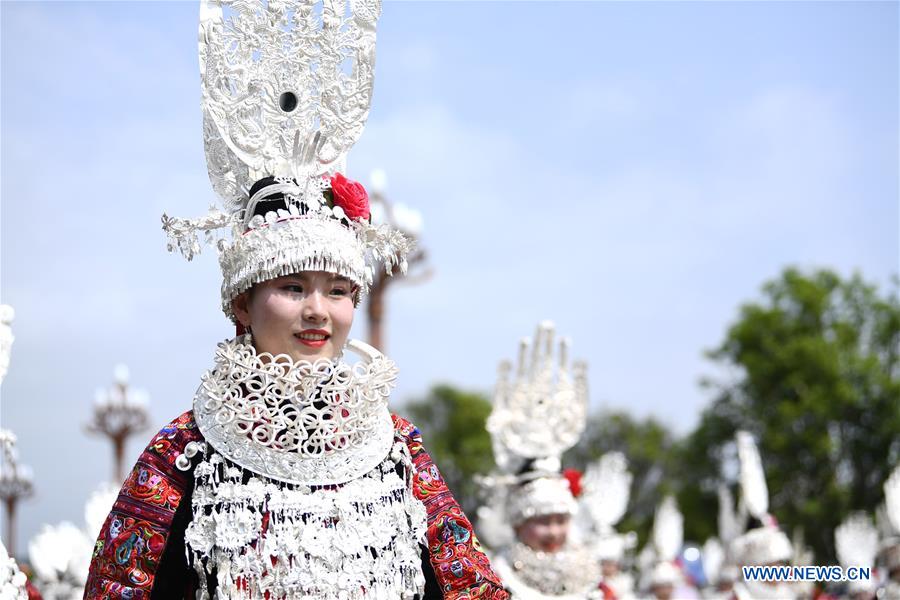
{"x":542,"y":411}
{"x":538,"y":414}
{"x":286,"y":90}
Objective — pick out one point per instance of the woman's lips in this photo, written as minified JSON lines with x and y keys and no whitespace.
{"x":314,"y":338}
{"x":553,"y":546}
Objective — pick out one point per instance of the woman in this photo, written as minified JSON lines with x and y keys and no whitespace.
{"x":537,"y":417}
{"x":289,"y":478}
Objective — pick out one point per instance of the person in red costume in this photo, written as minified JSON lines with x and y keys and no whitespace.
{"x":289,"y":477}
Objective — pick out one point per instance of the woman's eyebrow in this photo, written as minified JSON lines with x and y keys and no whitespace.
{"x":340,"y":279}
{"x":296,"y":277}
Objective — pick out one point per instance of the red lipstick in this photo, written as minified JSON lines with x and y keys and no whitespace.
{"x":318,"y":339}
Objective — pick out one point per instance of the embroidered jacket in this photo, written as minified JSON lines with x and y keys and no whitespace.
{"x":139,"y":554}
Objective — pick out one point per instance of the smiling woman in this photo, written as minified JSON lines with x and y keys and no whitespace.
{"x":305,"y":315}
{"x":289,"y":478}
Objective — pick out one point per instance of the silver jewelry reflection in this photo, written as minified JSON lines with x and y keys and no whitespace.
{"x":542,"y":411}
{"x":531,"y":574}
{"x":286,"y":90}
{"x":319,"y":423}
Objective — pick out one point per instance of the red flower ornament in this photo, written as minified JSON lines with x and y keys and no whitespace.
{"x":351,"y":196}
{"x":574,"y":478}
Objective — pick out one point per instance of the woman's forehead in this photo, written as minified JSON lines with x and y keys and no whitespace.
{"x":311,"y":275}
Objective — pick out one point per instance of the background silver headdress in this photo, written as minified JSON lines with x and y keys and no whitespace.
{"x":754,"y":491}
{"x":856,"y":541}
{"x":7,"y":314}
{"x":892,"y":499}
{"x":286,"y":90}
{"x":668,"y":529}
{"x":12,"y":580}
{"x":542,"y":411}
{"x":760,"y":545}
{"x":606,"y":487}
{"x":537,"y":415}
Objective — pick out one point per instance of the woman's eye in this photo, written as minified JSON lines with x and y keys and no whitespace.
{"x":296,"y":289}
{"x":339,"y":292}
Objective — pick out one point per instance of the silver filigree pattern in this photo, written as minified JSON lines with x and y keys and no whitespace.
{"x":542,"y":412}
{"x":318,"y":423}
{"x":356,"y":541}
{"x":527,"y":573}
{"x":274,"y":74}
{"x":12,"y":580}
{"x":286,"y":90}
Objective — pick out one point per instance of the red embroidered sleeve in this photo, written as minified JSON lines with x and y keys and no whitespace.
{"x":128,"y":551}
{"x":462,"y":569}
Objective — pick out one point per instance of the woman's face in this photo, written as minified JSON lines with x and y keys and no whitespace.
{"x":546,"y":533}
{"x":306,"y":316}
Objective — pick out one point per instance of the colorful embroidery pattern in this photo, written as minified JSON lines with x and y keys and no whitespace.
{"x":131,"y":543}
{"x":462,"y":569}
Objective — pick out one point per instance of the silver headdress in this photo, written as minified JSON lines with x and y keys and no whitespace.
{"x":718,"y":564}
{"x":286,"y":90}
{"x":892,"y":499}
{"x":7,"y":314}
{"x":760,"y":545}
{"x":537,"y":416}
{"x":889,"y":522}
{"x":12,"y":580}
{"x":606,"y":486}
{"x":668,"y":529}
{"x":856,"y":543}
{"x":667,"y":538}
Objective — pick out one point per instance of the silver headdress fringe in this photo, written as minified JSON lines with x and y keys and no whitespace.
{"x":286,"y":90}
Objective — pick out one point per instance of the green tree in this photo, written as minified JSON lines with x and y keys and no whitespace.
{"x":816,"y":378}
{"x":452,"y":423}
{"x":650,"y":448}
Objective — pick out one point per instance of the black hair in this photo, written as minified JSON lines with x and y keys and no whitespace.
{"x":754,"y":523}
{"x":273,"y":201}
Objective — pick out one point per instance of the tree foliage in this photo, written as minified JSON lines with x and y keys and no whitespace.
{"x":817,"y":381}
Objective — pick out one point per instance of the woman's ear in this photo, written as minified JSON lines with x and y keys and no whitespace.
{"x":241,"y":308}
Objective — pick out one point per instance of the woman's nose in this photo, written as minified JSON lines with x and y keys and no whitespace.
{"x":314,"y":308}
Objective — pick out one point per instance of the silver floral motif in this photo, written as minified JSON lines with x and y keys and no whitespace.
{"x":318,"y":423}
{"x":356,"y":541}
{"x":274,"y":76}
{"x":542,"y":412}
{"x":286,"y":90}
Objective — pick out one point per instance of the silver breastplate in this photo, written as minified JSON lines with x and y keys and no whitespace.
{"x":354,"y":541}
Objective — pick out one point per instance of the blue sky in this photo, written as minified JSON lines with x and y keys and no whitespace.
{"x":632,"y":171}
